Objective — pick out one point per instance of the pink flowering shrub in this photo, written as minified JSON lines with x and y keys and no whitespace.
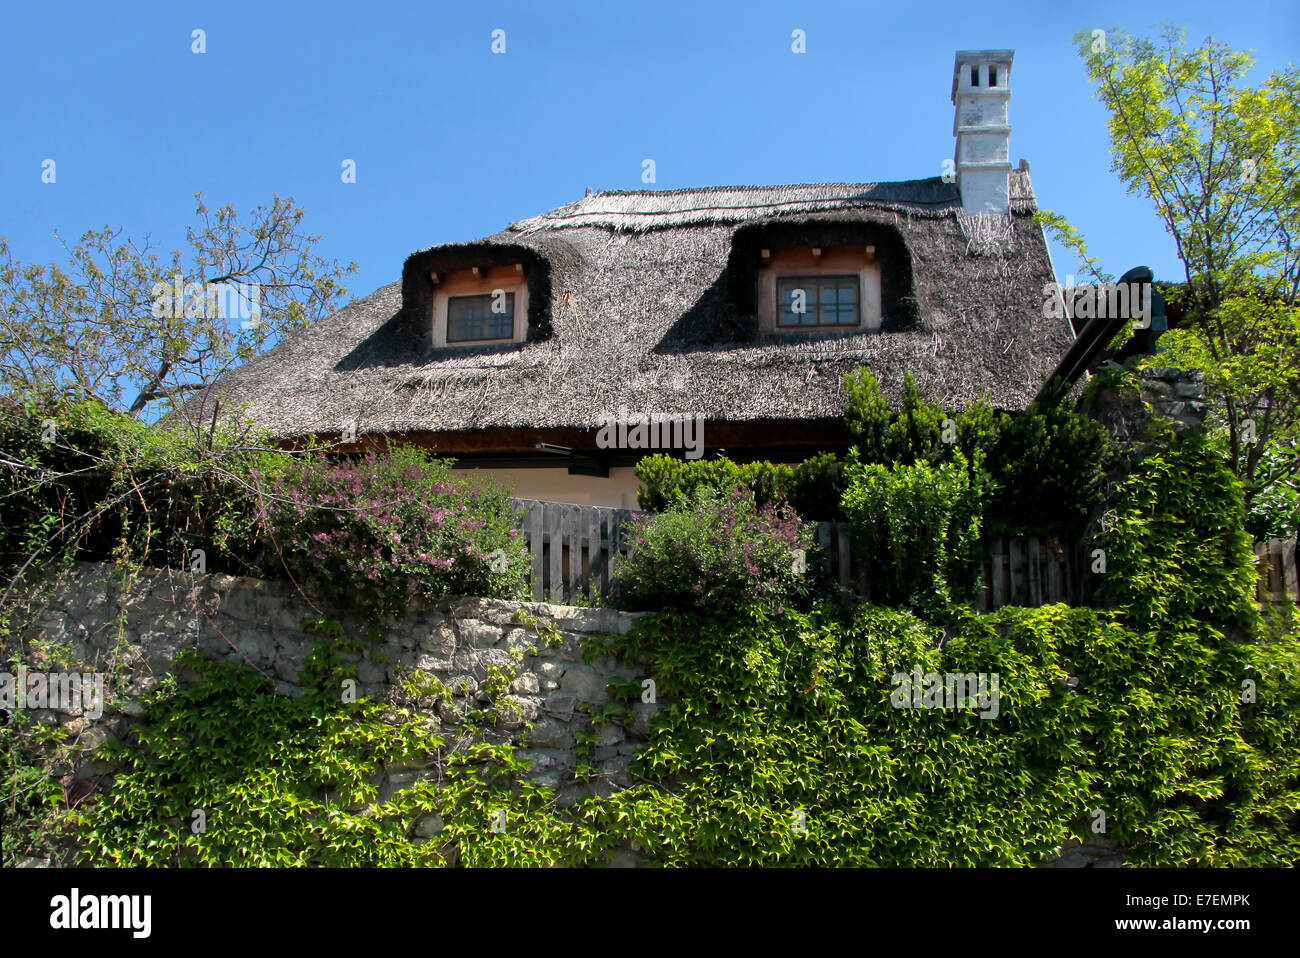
{"x":381,"y":531}
{"x":717,"y":550}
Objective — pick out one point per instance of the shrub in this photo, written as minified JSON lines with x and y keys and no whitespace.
{"x":1048,"y":464}
{"x":86,"y":481}
{"x":811,"y":488}
{"x":292,"y":782}
{"x":785,"y":748}
{"x":1043,"y":468}
{"x":716,"y":551}
{"x":916,"y":433}
{"x":381,"y":531}
{"x":917,"y":529}
{"x":775,"y":716}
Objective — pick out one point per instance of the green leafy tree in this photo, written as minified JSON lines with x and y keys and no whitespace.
{"x":1218,"y":159}
{"x":109,"y":324}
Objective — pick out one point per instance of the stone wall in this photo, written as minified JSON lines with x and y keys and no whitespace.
{"x":134,"y":633}
{"x":1177,"y":395}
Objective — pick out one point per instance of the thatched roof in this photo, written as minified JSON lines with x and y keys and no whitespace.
{"x":644,"y":299}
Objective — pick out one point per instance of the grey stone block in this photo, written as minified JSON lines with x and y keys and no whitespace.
{"x":432,"y":663}
{"x":525,"y":710}
{"x":550,"y":669}
{"x":561,"y":705}
{"x":548,"y":733}
{"x":287,"y":667}
{"x":624,"y":858}
{"x":643,"y":714}
{"x":479,"y":635}
{"x":609,"y":735}
{"x":371,"y":673}
{"x":527,"y":682}
{"x":427,"y":826}
{"x":585,"y":683}
{"x":519,"y":639}
{"x":440,"y":640}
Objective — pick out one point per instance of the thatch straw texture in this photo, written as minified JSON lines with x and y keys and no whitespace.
{"x":645,"y":299}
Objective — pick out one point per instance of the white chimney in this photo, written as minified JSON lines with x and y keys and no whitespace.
{"x":981,"y":92}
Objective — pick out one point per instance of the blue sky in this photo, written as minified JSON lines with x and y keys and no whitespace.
{"x":452,"y":142}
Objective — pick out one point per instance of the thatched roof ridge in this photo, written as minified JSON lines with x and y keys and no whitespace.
{"x":654,"y":317}
{"x":636,"y":210}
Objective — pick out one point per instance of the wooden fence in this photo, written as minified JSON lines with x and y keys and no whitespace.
{"x":1277,"y":581}
{"x":576,"y":548}
{"x":1020,"y":570}
{"x":1029,"y":571}
{"x":1033,"y":571}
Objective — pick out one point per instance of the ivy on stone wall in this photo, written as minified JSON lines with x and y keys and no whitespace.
{"x":227,"y":772}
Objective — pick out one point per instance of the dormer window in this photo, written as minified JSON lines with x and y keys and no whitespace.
{"x":480,"y":306}
{"x":814,"y":289}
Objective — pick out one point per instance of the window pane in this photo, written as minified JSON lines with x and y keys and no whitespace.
{"x":850,"y":315}
{"x":787,"y":291}
{"x":839,"y":301}
{"x":471,"y":317}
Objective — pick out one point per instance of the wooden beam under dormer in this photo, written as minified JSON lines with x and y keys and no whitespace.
{"x":434,"y":278}
{"x":817,"y":252}
{"x":477,"y":272}
{"x":767,"y":255}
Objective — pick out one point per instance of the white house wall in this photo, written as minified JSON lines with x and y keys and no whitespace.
{"x":557,"y":485}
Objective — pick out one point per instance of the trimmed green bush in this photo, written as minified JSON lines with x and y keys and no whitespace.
{"x":917,"y":530}
{"x":811,"y":488}
{"x":1048,"y":466}
{"x":1042,"y":469}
